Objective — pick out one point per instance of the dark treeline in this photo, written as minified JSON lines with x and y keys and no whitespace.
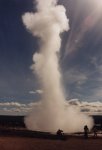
{"x":12,"y":121}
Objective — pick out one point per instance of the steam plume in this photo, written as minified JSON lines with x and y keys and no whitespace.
{"x":48,"y":23}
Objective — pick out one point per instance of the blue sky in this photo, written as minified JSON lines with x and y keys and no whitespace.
{"x":80,"y":57}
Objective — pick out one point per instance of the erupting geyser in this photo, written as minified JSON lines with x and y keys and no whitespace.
{"x":48,"y":23}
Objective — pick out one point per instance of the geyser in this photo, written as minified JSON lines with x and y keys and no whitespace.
{"x":48,"y":23}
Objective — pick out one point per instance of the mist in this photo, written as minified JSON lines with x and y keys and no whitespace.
{"x":47,"y":24}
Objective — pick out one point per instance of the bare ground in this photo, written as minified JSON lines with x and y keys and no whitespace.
{"x":27,"y":143}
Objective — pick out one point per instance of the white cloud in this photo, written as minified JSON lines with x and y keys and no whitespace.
{"x":88,"y":107}
{"x":13,"y":104}
{"x":33,"y":104}
{"x":36,"y":92}
{"x":15,"y":108}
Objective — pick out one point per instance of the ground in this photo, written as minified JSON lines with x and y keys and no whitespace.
{"x":28,"y":143}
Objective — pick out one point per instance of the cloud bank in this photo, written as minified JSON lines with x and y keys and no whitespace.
{"x":16,"y":108}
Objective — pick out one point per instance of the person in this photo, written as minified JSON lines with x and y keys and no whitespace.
{"x":86,"y":130}
{"x":59,"y":133}
{"x":95,"y":131}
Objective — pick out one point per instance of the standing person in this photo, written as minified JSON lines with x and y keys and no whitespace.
{"x":95,"y":131}
{"x":86,"y":130}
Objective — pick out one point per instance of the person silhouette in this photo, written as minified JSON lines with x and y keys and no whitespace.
{"x":60,"y":133}
{"x":86,"y":130}
{"x":95,"y":131}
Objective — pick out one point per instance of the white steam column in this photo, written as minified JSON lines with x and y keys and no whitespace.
{"x":48,"y":23}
